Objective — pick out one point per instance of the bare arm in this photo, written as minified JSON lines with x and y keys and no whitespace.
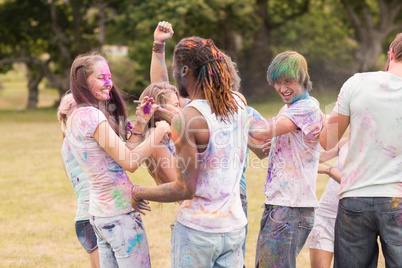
{"x":267,"y":129}
{"x":333,"y":130}
{"x":184,"y":133}
{"x":333,"y":152}
{"x":330,"y":171}
{"x":260,"y":148}
{"x":162,"y":33}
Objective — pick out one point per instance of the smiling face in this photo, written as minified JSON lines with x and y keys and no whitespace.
{"x":290,"y":91}
{"x":100,"y":81}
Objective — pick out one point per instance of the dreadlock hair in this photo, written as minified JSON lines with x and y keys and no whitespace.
{"x":214,"y":76}
{"x":114,"y":109}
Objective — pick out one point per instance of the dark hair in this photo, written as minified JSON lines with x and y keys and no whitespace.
{"x":114,"y":109}
{"x":214,"y":76}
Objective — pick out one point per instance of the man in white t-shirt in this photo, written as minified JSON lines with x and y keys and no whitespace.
{"x":293,"y":162}
{"x":210,"y":135}
{"x":370,"y":203}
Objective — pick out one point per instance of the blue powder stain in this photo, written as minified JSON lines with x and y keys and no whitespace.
{"x":134,"y":242}
{"x":86,"y":155}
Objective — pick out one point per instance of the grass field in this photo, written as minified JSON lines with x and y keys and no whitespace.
{"x":37,"y":205}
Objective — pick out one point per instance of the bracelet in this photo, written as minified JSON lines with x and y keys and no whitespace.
{"x":137,"y":134}
{"x":132,"y":193}
{"x":158,"y":48}
{"x":329,"y":171}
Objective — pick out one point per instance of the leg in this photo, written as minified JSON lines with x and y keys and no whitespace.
{"x":193,"y":248}
{"x":389,"y":213}
{"x":94,"y":259}
{"x":321,"y":242}
{"x":283,"y":232}
{"x":320,"y":258}
{"x":231,"y":254}
{"x":125,"y":235}
{"x":355,"y":234}
{"x":243,"y":198}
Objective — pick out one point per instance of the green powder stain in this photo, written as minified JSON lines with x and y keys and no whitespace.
{"x":117,"y":197}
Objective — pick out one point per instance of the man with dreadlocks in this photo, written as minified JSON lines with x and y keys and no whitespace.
{"x":211,"y":141}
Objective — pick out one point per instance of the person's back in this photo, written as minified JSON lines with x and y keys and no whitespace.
{"x":375,"y":133}
{"x":216,"y":206}
{"x":371,"y":188}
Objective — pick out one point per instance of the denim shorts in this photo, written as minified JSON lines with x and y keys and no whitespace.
{"x":86,"y":235}
{"x":192,"y":248}
{"x":122,"y":241}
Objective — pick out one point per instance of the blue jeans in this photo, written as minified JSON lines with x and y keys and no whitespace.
{"x":243,"y":199}
{"x":193,"y":248}
{"x":359,"y":222}
{"x":283,"y":232}
{"x":122,"y":241}
{"x":86,"y":235}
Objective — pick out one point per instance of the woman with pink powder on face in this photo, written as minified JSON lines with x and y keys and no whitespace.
{"x":96,"y":135}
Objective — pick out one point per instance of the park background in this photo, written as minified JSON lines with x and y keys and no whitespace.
{"x":39,"y":39}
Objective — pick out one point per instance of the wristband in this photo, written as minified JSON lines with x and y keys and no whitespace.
{"x":329,"y":171}
{"x":137,"y":134}
{"x":158,"y":48}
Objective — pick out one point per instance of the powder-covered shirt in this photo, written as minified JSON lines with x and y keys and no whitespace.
{"x":293,"y":158}
{"x":78,"y":180}
{"x":110,"y":187}
{"x":216,"y":206}
{"x":373,"y":166}
{"x":329,"y":199}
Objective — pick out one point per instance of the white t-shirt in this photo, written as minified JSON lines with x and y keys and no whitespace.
{"x":216,"y":207}
{"x":293,"y":158}
{"x":373,"y":166}
{"x":329,"y":199}
{"x":110,"y":187}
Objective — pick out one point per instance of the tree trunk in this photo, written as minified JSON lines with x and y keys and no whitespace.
{"x":35,"y":76}
{"x":367,"y":54}
{"x":255,"y":62}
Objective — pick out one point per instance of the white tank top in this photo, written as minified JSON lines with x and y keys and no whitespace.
{"x":216,"y":207}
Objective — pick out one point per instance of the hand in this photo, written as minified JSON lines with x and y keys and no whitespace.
{"x":163,"y":126}
{"x":140,"y":206}
{"x":163,"y":32}
{"x":145,"y":110}
{"x":322,"y":169}
{"x":266,"y":147}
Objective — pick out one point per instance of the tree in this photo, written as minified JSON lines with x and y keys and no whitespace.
{"x":374,"y":21}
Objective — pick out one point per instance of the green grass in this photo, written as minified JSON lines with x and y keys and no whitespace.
{"x":37,"y":205}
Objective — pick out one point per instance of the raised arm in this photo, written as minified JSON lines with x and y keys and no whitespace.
{"x":162,"y":33}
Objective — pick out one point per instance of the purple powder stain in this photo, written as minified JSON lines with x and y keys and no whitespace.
{"x":147,"y":109}
{"x":78,"y":179}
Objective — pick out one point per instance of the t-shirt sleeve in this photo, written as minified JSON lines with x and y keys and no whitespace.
{"x":342,"y":105}
{"x":254,"y":113}
{"x":88,"y":120}
{"x":307,"y":116}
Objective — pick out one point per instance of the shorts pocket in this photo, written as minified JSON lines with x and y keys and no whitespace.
{"x":113,"y":234}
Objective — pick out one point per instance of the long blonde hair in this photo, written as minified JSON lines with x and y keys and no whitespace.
{"x":159,"y":92}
